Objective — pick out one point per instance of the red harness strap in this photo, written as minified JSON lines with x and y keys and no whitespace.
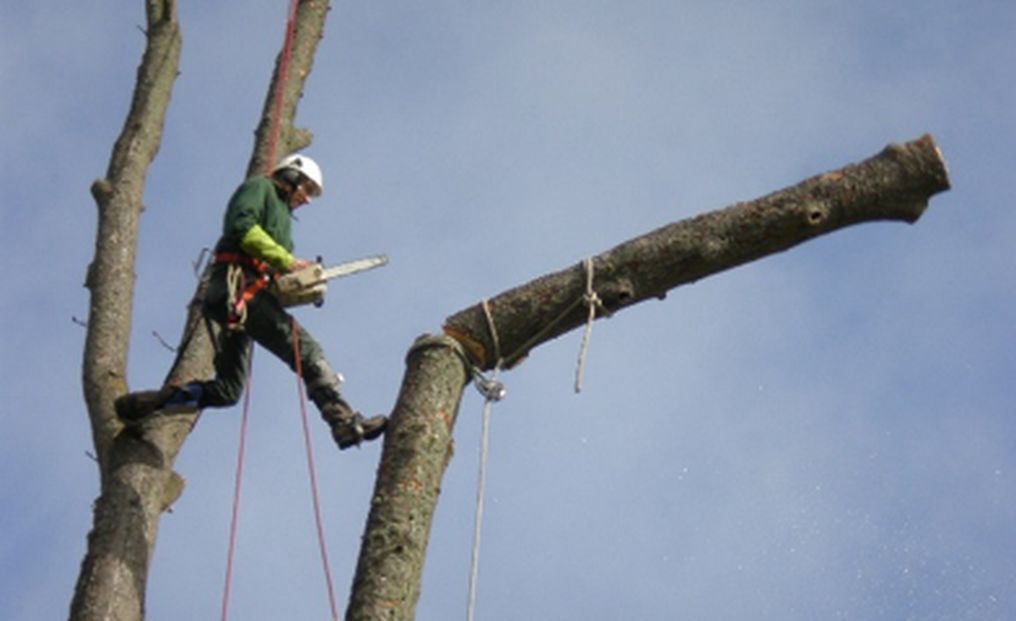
{"x":243,"y":259}
{"x":246,"y":293}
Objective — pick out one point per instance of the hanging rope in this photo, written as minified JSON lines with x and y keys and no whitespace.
{"x":280,"y":85}
{"x":474,"y":566}
{"x":589,"y":297}
{"x":593,"y":301}
{"x":310,"y":470}
{"x":234,"y":520}
{"x":273,"y":138}
{"x":492,"y":390}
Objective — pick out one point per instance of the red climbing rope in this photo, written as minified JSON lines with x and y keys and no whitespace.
{"x":310,"y":470}
{"x":280,"y":85}
{"x":273,"y":139}
{"x":236,"y":489}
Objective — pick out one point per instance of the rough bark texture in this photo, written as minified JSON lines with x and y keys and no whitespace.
{"x":417,"y":452}
{"x":893,"y":185}
{"x":112,"y":579}
{"x":310,"y":22}
{"x":110,"y":277}
{"x":137,"y":480}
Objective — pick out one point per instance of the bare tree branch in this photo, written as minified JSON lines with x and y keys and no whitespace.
{"x":112,"y":578}
{"x":110,"y":276}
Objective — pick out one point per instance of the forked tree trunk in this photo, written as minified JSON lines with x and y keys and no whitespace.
{"x":112,"y":579}
{"x":136,"y":468}
{"x":896,"y":184}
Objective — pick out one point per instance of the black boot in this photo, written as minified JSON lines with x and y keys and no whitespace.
{"x":349,"y":428}
{"x":352,"y":431}
{"x":135,"y":406}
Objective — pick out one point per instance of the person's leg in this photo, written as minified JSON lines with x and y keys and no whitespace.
{"x":232,"y":353}
{"x":272,"y":327}
{"x":231,"y":359}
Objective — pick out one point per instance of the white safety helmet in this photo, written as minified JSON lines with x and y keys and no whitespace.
{"x":306,"y":167}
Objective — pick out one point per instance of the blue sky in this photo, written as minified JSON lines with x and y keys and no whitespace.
{"x":823,"y":434}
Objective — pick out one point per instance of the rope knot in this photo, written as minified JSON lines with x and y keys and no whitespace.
{"x":592,"y":299}
{"x":594,"y":302}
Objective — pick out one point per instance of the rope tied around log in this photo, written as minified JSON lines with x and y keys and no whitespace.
{"x":593,"y":301}
{"x":589,"y":298}
{"x":493,"y":390}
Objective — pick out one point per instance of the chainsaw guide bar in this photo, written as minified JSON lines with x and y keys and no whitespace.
{"x":308,"y":285}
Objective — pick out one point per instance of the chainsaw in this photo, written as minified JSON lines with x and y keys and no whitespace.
{"x":308,"y":285}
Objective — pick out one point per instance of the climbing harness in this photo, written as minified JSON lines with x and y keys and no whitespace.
{"x":240,"y":292}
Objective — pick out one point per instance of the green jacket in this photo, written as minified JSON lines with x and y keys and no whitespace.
{"x":258,"y":223}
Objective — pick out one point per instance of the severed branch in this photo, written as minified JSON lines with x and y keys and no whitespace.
{"x":896,"y":184}
{"x":893,"y":185}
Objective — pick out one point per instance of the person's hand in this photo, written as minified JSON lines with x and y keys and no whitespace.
{"x":299,"y":264}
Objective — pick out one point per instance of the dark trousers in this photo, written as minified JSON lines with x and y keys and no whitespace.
{"x":267,"y":324}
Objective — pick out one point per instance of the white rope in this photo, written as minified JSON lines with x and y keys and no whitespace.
{"x":594,"y":302}
{"x":481,"y":484}
{"x":492,"y":391}
{"x":234,"y":284}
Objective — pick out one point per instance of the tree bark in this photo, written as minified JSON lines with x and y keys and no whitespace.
{"x":896,"y":184}
{"x":417,"y":448}
{"x":137,"y":482}
{"x":110,"y":277}
{"x":112,"y":579}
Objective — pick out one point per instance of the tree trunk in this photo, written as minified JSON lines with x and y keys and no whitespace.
{"x":896,"y":184}
{"x":112,"y":579}
{"x":135,"y":467}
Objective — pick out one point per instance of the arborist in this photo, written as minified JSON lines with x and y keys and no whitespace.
{"x":255,"y":245}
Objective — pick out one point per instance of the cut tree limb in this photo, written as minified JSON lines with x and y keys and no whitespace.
{"x":896,"y":184}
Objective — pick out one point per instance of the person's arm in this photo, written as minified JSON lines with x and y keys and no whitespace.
{"x":242,"y":224}
{"x":260,"y":245}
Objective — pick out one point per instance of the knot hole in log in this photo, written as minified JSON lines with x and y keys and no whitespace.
{"x":816,"y":213}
